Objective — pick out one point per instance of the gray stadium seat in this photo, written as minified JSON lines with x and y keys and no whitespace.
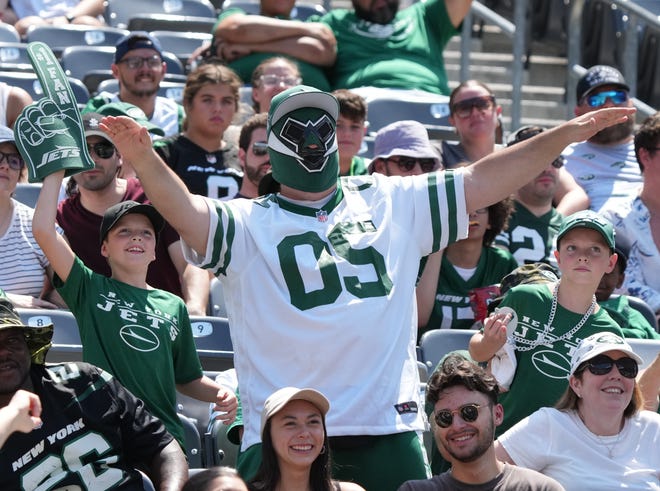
{"x":436,"y":343}
{"x":648,"y":349}
{"x":218,"y":449}
{"x":193,"y":442}
{"x":181,"y":44}
{"x":169,"y":22}
{"x":119,"y":12}
{"x":27,"y":193}
{"x":300,"y":11}
{"x":60,"y":37}
{"x":30,"y":82}
{"x":8,"y":34}
{"x":642,"y":307}
{"x":14,"y":57}
{"x":67,"y":345}
{"x":213,"y":342}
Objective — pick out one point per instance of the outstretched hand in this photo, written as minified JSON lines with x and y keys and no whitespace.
{"x":587,"y":125}
{"x":131,"y":139}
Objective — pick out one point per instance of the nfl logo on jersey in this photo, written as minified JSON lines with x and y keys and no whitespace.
{"x":322,"y":216}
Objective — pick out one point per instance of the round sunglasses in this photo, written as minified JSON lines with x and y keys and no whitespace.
{"x":468,"y":412}
{"x":603,"y":364}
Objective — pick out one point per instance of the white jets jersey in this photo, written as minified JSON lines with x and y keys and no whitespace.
{"x":325,"y":298}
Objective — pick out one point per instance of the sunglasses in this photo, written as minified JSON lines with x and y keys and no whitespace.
{"x":271,"y":80}
{"x":469,"y":413}
{"x":259,"y":149}
{"x":616,"y":96}
{"x":407,"y":164}
{"x":463,"y":109}
{"x":14,"y":160}
{"x":135,"y":62}
{"x":104,"y":150}
{"x":559,"y":162}
{"x":603,"y":364}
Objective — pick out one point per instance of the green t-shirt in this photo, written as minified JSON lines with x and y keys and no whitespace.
{"x":142,"y":337}
{"x":632,"y":322}
{"x":358,"y":167}
{"x":312,"y":75}
{"x":542,"y":372}
{"x":452,"y":309}
{"x":404,"y":54}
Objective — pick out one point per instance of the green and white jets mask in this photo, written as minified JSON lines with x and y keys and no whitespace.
{"x":302,"y":140}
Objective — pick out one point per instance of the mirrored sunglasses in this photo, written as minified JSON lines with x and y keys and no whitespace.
{"x":603,"y":364}
{"x":408,"y":163}
{"x":463,"y":109}
{"x":14,"y":160}
{"x":468,"y":412}
{"x":616,"y":96}
{"x":259,"y":149}
{"x":104,"y":150}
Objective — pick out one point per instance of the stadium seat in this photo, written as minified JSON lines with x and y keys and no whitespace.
{"x":60,"y":37}
{"x":648,"y":349}
{"x":119,"y":12}
{"x":436,"y":343}
{"x":300,"y":11}
{"x":217,"y":299}
{"x":67,"y":345}
{"x":642,"y":307}
{"x":193,"y":442}
{"x":30,"y":82}
{"x":218,"y":449}
{"x":14,"y":57}
{"x":27,"y":193}
{"x":169,"y":22}
{"x":182,"y":44}
{"x":8,"y":34}
{"x":213,"y":342}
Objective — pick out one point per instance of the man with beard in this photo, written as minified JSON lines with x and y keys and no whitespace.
{"x":95,"y":191}
{"x":605,"y":165}
{"x":139,"y":68}
{"x":253,"y":155}
{"x":93,"y":433}
{"x":534,"y":224}
{"x":380,"y":46}
{"x":465,"y":414}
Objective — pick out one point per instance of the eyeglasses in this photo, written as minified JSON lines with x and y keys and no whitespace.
{"x":616,"y":96}
{"x":468,"y":412}
{"x":271,"y":80}
{"x":135,"y":62}
{"x":14,"y":160}
{"x":559,"y":162}
{"x":481,"y":211}
{"x":104,"y":150}
{"x":407,"y":164}
{"x":259,"y":149}
{"x":603,"y":364}
{"x":463,"y":109}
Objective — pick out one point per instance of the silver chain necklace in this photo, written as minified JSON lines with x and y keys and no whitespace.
{"x":531,"y":344}
{"x":600,"y":439}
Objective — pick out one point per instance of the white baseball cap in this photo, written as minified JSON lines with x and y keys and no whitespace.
{"x":599,"y":343}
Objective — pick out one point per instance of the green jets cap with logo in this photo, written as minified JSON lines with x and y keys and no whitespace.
{"x":302,"y":139}
{"x":588,"y":219}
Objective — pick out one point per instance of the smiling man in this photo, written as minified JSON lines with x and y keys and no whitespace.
{"x":465,"y":414}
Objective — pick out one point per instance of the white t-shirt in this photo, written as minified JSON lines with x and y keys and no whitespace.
{"x":326,"y":298}
{"x":43,"y":8}
{"x":559,"y":445}
{"x":609,"y":175}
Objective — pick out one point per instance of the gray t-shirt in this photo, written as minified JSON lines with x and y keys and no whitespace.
{"x":512,"y":478}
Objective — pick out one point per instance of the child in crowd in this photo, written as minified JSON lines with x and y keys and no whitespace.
{"x":529,"y":340}
{"x":139,"y":334}
{"x":351,"y":128}
{"x":632,"y":322}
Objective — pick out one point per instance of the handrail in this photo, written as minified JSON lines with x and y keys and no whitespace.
{"x":516,"y":32}
{"x":630,"y":62}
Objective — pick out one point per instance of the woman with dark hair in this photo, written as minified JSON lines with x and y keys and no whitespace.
{"x":295,"y":452}
{"x":470,"y":271}
{"x":201,"y":155}
{"x":597,"y":436}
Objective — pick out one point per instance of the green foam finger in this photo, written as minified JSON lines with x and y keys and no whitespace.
{"x":53,"y":80}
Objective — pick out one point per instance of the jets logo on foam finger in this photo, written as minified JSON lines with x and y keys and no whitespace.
{"x":49,"y":132}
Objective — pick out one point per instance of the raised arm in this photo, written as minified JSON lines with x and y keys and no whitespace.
{"x":457,"y":10}
{"x":499,"y":174}
{"x":426,"y":288}
{"x":55,"y":247}
{"x":569,"y":196}
{"x":187,"y":213}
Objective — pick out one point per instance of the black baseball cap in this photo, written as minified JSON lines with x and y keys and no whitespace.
{"x":113,"y":214}
{"x":597,"y":76}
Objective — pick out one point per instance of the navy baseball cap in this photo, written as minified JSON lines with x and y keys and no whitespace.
{"x":136,"y":40}
{"x":597,"y":76}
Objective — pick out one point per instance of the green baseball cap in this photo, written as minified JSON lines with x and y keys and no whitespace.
{"x":133,"y":112}
{"x":39,"y":338}
{"x":589,"y":219}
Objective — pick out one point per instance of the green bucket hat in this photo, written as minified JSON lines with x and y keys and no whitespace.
{"x":133,"y":112}
{"x":302,"y":143}
{"x":39,"y":338}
